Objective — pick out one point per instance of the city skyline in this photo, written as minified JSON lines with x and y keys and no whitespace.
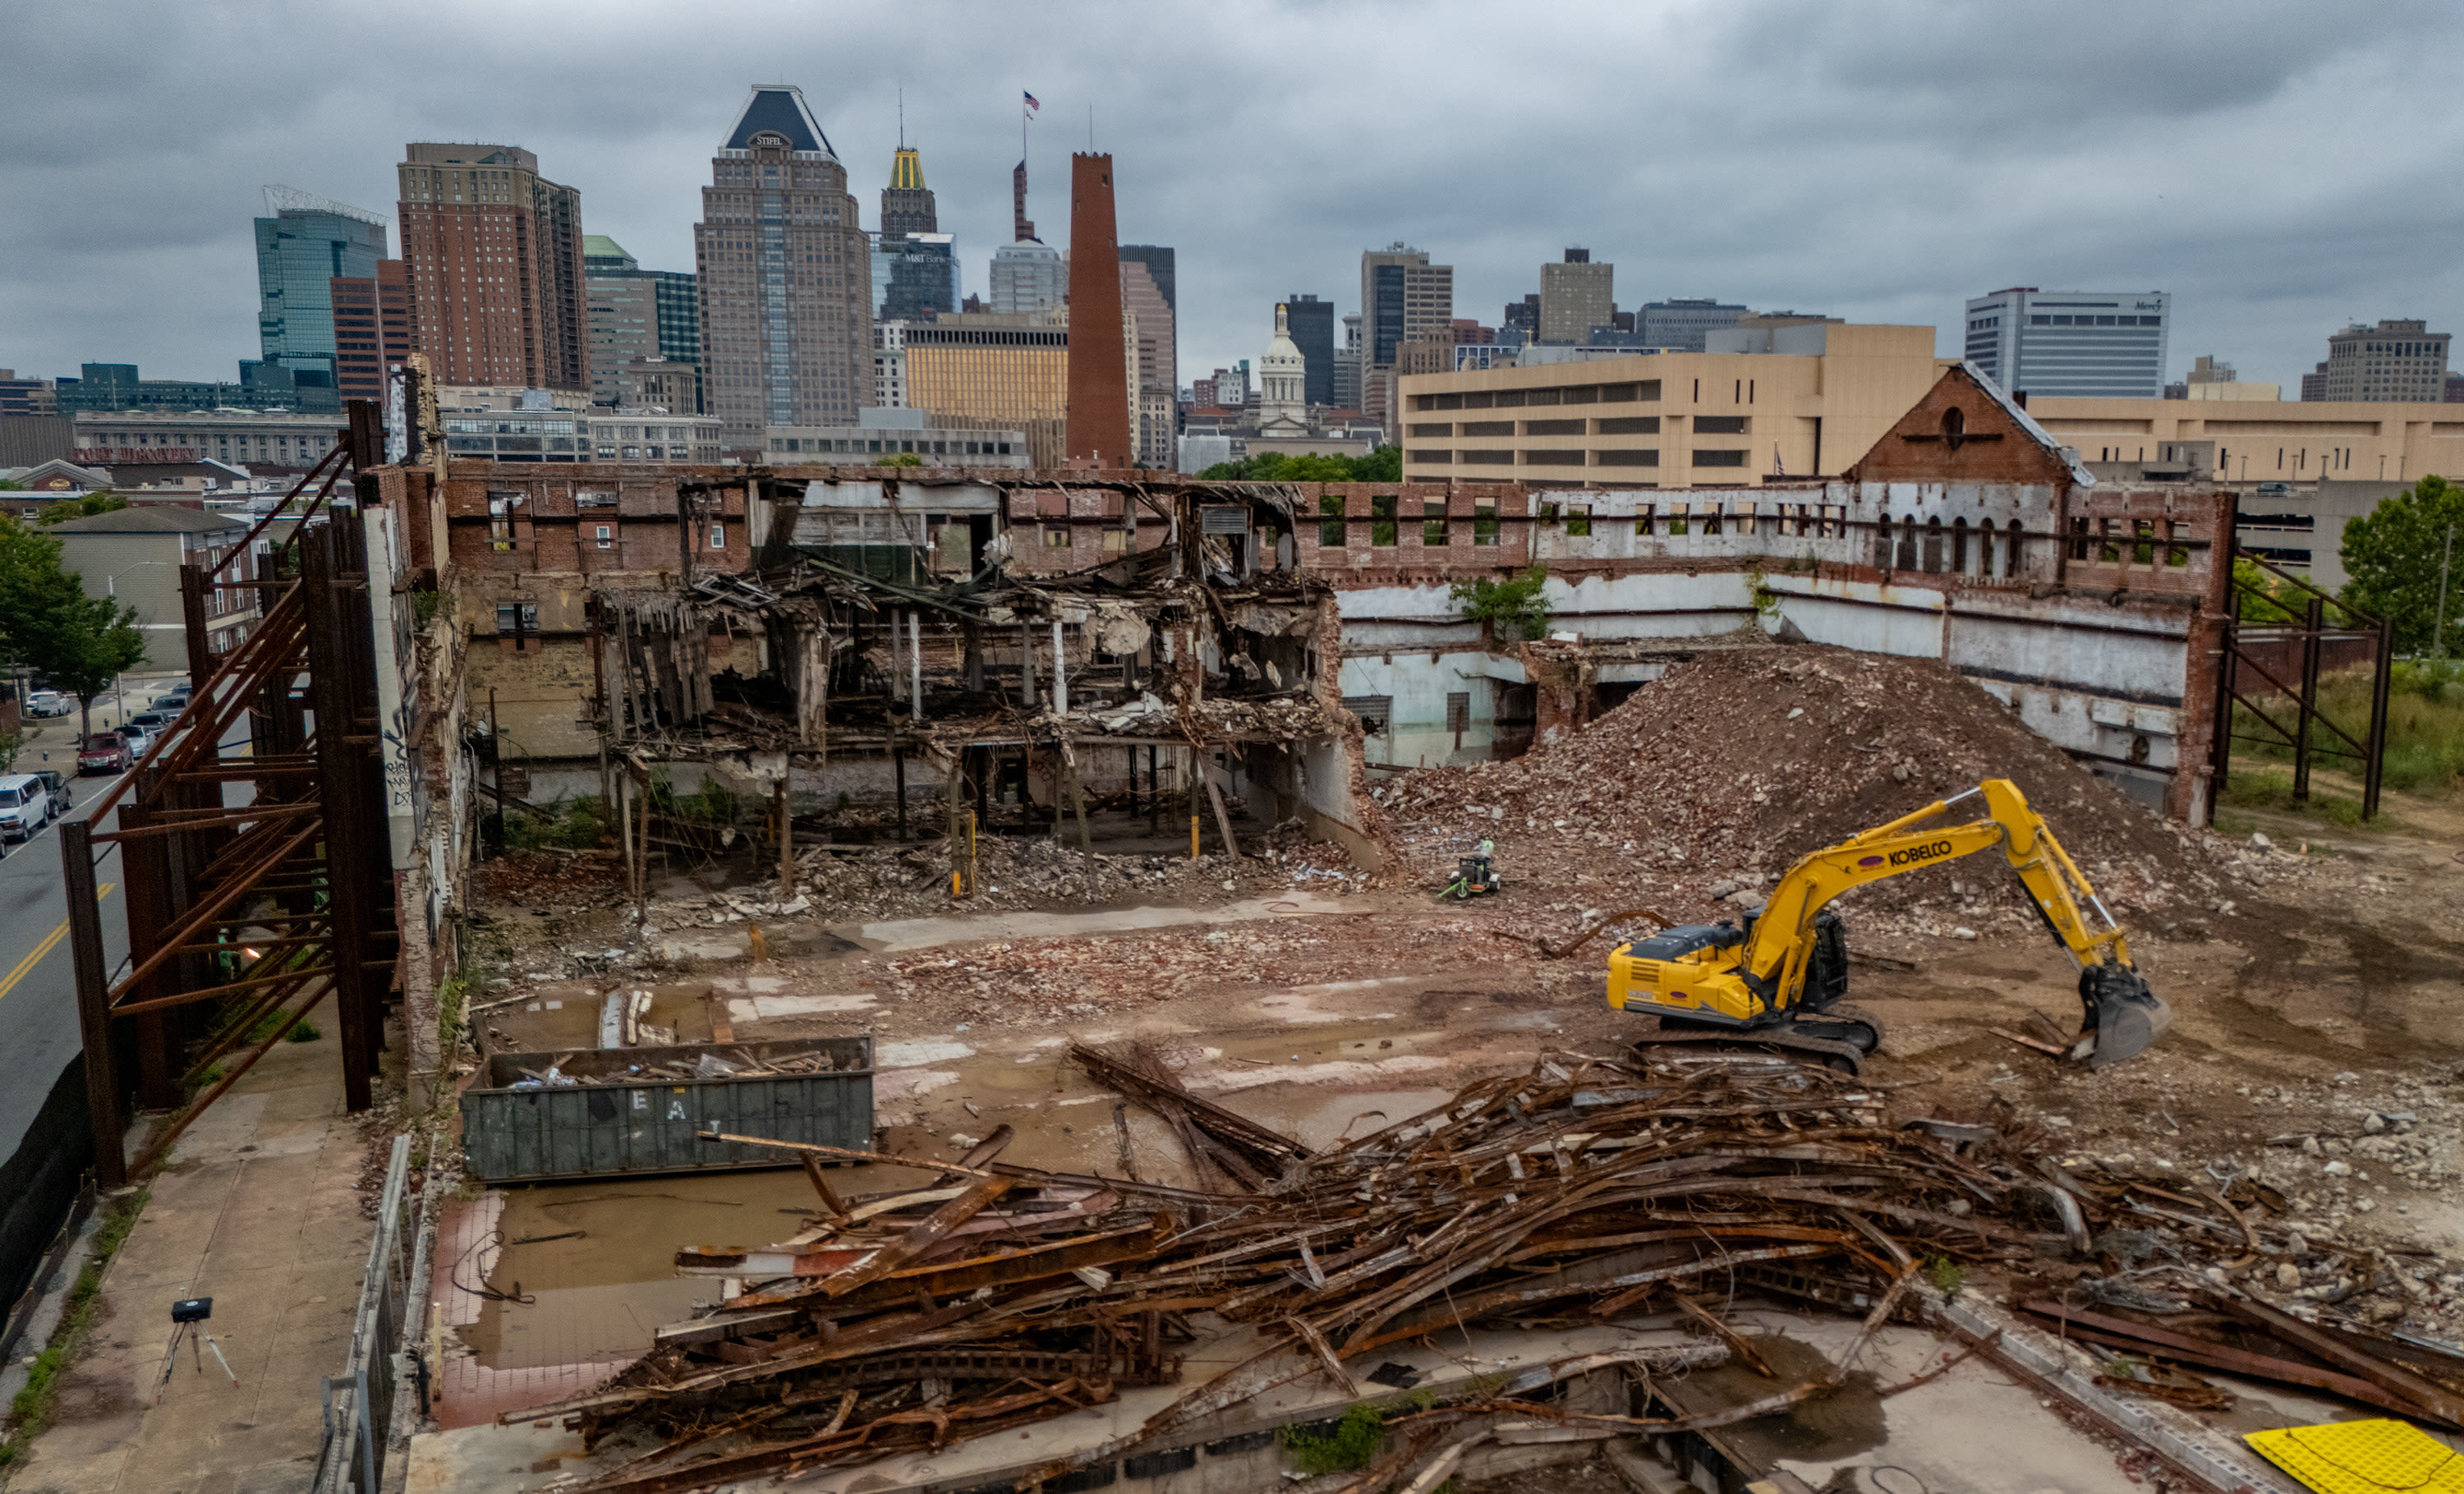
{"x":2244,"y":188}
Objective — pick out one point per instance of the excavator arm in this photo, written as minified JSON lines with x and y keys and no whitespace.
{"x":1774,"y":960}
{"x":1757,"y":977}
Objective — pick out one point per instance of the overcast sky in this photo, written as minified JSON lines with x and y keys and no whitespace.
{"x":2280,"y":168}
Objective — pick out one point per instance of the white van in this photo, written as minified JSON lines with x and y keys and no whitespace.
{"x":24,"y":806}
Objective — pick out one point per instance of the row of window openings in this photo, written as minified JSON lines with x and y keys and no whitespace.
{"x":1625,"y":426}
{"x":603,"y":536}
{"x":1741,"y":391}
{"x":852,"y":447}
{"x":1913,"y":548}
{"x":1812,"y":521}
{"x":2096,"y":322}
{"x":1630,"y":456}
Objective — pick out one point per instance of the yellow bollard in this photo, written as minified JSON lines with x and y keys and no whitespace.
{"x":1192,"y":837}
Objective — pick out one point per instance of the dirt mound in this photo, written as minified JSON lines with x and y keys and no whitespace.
{"x":1710,"y":782}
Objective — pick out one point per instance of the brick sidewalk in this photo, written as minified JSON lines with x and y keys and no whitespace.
{"x":258,"y":1211}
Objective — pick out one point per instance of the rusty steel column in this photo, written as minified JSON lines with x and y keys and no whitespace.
{"x":102,"y":1097}
{"x":2374,"y":768}
{"x":347,"y":847}
{"x":145,"y":891}
{"x":193,"y":607}
{"x":2307,"y":706}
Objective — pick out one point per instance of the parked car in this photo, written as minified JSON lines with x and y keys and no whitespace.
{"x":175,"y":699}
{"x":24,"y":806}
{"x":153,"y":723}
{"x":104,"y":752}
{"x":49,"y":703}
{"x":140,"y":739}
{"x":62,"y":801}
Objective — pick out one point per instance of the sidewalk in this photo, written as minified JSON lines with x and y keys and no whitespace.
{"x":258,"y":1211}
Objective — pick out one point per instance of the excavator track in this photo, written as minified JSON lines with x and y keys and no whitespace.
{"x":1840,"y":1038}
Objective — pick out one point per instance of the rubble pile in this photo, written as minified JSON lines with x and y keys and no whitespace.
{"x":1057,"y":981}
{"x":550,"y":879}
{"x":1704,"y":785}
{"x":1587,"y":1190}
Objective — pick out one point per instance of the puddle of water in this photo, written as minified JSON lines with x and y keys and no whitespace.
{"x":907,"y":1084}
{"x":894,"y":936}
{"x":603,"y":1295}
{"x":1314,"y":1118}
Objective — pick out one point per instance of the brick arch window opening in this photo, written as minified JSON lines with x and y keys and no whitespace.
{"x":1905,"y":557}
{"x":1933,"y":545}
{"x":1959,"y":546}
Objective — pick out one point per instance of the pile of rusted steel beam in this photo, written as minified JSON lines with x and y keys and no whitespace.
{"x":1586,"y":1190}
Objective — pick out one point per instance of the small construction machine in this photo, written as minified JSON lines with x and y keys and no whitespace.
{"x":1776,"y":981}
{"x":1475,"y":874}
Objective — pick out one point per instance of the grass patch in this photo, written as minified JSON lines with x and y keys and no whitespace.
{"x":577,"y":824}
{"x":1353,"y":1443}
{"x":2425,"y":742}
{"x":30,"y":1412}
{"x":2272,"y":791}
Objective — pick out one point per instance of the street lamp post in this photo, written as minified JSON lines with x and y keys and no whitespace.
{"x":111,"y":589}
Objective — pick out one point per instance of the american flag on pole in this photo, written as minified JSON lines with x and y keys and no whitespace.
{"x":1031,"y":105}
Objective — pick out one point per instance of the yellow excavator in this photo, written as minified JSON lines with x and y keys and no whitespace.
{"x":1776,"y":982}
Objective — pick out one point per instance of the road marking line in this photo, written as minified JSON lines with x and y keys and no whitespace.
{"x":50,"y":942}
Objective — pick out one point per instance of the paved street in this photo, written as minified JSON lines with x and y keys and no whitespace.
{"x":38,"y":1023}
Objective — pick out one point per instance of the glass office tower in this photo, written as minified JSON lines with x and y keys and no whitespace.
{"x":308,"y":243}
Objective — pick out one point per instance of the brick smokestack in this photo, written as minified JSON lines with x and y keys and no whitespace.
{"x":1099,"y":376}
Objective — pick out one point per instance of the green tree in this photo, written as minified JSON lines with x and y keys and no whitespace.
{"x":86,"y":507}
{"x":1511,"y":609}
{"x":2393,"y":555}
{"x":1383,"y":465}
{"x":2264,"y":599}
{"x":48,"y":624}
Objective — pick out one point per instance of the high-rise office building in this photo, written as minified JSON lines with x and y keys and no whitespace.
{"x":306,"y":243}
{"x":493,"y":253}
{"x":1028,"y":278}
{"x":2059,"y":345}
{"x":1679,"y":323}
{"x":1151,"y":291}
{"x":988,"y":371}
{"x":371,"y":329}
{"x":914,"y":264}
{"x":2393,"y":361}
{"x":1101,"y":408}
{"x":1158,"y":341}
{"x":1401,"y":296}
{"x":637,"y":313}
{"x":907,"y":205}
{"x":1575,"y":296}
{"x":1522,"y":319}
{"x":1347,"y":367}
{"x":786,"y":276}
{"x":1312,"y":331}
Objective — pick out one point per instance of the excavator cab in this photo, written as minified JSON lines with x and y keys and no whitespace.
{"x":1777,"y":981}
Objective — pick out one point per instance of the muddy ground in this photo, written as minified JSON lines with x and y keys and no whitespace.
{"x":2318,"y":1047}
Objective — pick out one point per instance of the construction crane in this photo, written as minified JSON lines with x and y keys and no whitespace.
{"x":1776,"y":982}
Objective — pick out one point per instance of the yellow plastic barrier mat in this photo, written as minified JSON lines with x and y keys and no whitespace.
{"x":2363,"y":1457}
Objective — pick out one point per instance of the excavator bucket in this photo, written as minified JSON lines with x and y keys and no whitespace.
{"x":2122,"y":1016}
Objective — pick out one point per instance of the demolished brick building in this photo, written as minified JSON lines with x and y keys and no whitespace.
{"x":1036,"y":639}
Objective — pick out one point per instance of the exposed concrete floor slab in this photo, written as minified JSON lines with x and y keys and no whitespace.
{"x":258,"y":1209}
{"x":894,"y":935}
